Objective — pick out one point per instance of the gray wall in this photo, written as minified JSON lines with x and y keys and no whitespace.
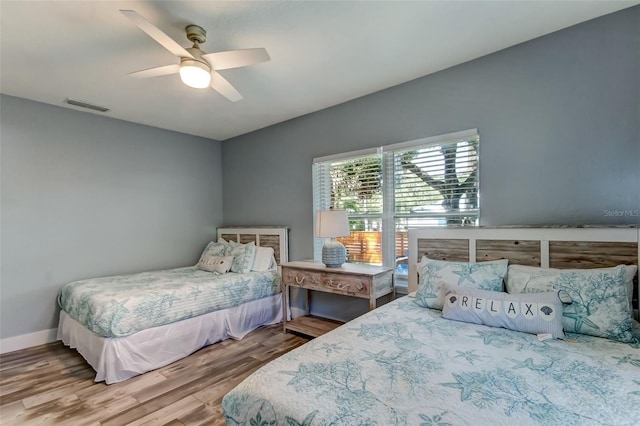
{"x":559,"y":122}
{"x":85,"y":196}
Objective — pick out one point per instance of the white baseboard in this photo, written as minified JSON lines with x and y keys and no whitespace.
{"x":16,"y":343}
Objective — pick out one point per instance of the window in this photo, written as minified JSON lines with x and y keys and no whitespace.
{"x":428,"y":182}
{"x":354,"y":183}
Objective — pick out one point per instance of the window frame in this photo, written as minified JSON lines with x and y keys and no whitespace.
{"x":389,"y":215}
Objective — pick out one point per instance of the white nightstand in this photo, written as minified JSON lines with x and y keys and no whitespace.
{"x":351,"y":279}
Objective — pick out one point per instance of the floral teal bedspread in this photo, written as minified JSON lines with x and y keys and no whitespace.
{"x":405,"y":365}
{"x":124,"y":304}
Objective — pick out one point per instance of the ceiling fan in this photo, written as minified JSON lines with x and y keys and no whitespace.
{"x":196,"y":68}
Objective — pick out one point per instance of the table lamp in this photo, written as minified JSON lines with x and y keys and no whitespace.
{"x":332,"y":224}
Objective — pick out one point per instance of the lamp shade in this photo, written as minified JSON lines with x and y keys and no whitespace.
{"x":332,"y":223}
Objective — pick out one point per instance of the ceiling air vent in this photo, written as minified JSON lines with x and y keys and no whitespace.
{"x":86,"y":105}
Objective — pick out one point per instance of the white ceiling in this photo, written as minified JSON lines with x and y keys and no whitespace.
{"x":322,"y":52}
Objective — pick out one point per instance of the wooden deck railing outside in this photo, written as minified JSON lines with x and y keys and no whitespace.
{"x":366,"y":246}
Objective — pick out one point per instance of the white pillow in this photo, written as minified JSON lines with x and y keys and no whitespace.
{"x":216,"y":264}
{"x":263,"y":259}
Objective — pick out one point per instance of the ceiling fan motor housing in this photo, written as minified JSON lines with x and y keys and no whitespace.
{"x":196,"y":34}
{"x":197,"y":57}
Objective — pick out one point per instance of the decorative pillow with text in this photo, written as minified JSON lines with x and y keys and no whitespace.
{"x":535,"y":313}
{"x":216,"y":264}
{"x":214,"y":249}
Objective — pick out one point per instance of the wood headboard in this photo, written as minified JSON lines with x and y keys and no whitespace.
{"x":547,"y":247}
{"x":276,"y":237}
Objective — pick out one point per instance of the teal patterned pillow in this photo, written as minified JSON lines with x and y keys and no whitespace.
{"x":599,"y":307}
{"x":213,"y":249}
{"x":433,"y":275}
{"x":535,"y":313}
{"x":243,"y":256}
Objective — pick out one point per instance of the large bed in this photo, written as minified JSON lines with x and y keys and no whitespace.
{"x":404,"y":363}
{"x":127,"y":325}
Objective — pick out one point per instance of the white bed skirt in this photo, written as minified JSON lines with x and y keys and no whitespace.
{"x":119,"y":358}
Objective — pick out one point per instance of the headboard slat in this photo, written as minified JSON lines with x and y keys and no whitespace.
{"x":275,"y":237}
{"x":247,"y":238}
{"x":230,"y":237}
{"x":591,"y":254}
{"x":450,"y":249}
{"x":523,"y":252}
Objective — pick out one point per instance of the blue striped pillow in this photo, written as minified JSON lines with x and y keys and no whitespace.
{"x":536,"y":313}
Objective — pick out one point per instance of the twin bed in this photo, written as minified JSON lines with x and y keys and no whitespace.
{"x":129,"y":324}
{"x":404,"y":363}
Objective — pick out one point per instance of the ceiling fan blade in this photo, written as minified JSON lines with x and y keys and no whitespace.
{"x":225,"y":88}
{"x":236,"y":58}
{"x":153,"y":32}
{"x":157,"y":72}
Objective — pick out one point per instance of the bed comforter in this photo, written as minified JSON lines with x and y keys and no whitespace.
{"x":405,"y":365}
{"x":121,"y":305}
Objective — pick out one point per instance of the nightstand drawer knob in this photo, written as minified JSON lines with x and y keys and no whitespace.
{"x":299,"y":280}
{"x":359,"y":286}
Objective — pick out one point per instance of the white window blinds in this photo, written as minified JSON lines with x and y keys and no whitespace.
{"x":436,"y":182}
{"x":428,"y":182}
{"x":352,"y":184}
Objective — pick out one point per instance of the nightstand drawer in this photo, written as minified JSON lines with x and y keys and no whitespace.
{"x":301,"y":278}
{"x":353,"y":285}
{"x":350,"y":284}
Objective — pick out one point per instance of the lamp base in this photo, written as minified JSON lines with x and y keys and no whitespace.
{"x":333,"y":254}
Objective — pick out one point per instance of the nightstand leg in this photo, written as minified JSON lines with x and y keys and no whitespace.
{"x":285,"y":304}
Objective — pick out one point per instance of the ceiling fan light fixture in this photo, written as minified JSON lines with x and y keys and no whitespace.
{"x":196,"y":67}
{"x":195,"y":74}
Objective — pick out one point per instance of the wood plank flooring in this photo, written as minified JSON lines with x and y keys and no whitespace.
{"x":312,"y":326}
{"x":53,"y":385}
